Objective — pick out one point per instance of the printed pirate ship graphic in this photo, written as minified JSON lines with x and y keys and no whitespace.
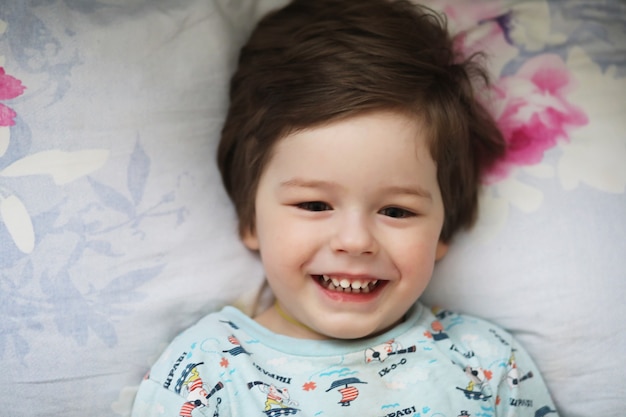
{"x":347,"y":390}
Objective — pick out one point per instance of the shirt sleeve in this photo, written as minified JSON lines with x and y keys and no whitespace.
{"x":521,"y":391}
{"x":180,"y":384}
{"x":153,"y":399}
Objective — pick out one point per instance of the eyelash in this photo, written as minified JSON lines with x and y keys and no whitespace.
{"x":393,"y":212}
{"x":314,"y":206}
{"x":400,"y":213}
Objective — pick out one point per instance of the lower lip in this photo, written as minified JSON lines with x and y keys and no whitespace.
{"x":347,"y":297}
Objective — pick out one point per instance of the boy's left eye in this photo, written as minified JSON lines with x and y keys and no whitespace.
{"x":396,"y":212}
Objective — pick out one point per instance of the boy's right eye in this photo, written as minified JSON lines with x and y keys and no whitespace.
{"x":314,"y":206}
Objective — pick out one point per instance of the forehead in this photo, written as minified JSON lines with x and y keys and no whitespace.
{"x":387,"y":131}
{"x":375,"y":146}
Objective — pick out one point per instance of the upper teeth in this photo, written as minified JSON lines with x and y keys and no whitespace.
{"x":345,"y":283}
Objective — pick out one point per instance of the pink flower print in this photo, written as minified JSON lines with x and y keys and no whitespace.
{"x":480,"y":28}
{"x":10,"y":88}
{"x":533,"y":112}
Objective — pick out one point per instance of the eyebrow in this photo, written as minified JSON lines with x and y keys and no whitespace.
{"x":304,"y":183}
{"x":416,"y":191}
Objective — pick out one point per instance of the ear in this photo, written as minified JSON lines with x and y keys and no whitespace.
{"x":250,"y":239}
{"x":442,"y":249}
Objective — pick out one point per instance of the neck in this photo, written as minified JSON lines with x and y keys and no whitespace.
{"x":290,"y":319}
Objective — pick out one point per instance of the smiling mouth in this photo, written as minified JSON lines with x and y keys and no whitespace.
{"x":353,"y":286}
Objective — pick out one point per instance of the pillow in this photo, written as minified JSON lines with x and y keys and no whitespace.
{"x":115,"y":233}
{"x":114,"y":230}
{"x":546,"y":257}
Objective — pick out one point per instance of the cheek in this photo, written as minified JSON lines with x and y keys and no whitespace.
{"x":283,"y":245}
{"x":278,"y":233}
{"x":417,"y":258}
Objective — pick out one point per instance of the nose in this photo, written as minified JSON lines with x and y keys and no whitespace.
{"x":354,"y":235}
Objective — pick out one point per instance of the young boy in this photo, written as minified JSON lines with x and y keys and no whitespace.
{"x":353,"y":151}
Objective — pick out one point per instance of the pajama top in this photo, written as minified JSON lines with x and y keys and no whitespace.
{"x":433,"y":364}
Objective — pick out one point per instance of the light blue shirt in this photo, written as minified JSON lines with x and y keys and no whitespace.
{"x":432,"y":364}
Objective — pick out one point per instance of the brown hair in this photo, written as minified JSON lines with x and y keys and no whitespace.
{"x":313,"y":62}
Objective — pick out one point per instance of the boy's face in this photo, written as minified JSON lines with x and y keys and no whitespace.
{"x":348,"y":217}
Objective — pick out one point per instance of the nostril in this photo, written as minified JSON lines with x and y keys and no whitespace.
{"x":353,"y":234}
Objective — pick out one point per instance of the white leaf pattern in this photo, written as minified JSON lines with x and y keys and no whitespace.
{"x":5,"y":139}
{"x":64,"y":167}
{"x":18,"y":223}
